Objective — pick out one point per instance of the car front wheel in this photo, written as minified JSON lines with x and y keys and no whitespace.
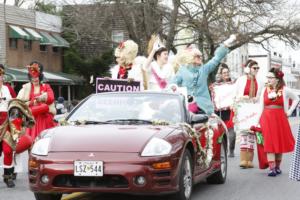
{"x":219,"y":177}
{"x":185,"y":178}
{"x":47,"y":196}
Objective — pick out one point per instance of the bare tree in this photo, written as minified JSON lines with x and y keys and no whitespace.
{"x":255,"y":20}
{"x":210,"y":21}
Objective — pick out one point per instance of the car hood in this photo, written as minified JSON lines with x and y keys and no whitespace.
{"x":104,"y":138}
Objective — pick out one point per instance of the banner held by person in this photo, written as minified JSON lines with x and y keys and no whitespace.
{"x":246,"y":114}
{"x":116,"y":85}
{"x":223,"y":95}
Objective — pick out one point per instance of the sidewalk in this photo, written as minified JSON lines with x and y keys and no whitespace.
{"x":294,"y":121}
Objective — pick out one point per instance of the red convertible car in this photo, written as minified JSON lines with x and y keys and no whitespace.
{"x":138,"y":143}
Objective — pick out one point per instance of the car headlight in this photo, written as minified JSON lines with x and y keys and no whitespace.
{"x":41,"y":146}
{"x":157,"y":147}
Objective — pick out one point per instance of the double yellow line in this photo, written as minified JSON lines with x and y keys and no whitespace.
{"x":75,"y":195}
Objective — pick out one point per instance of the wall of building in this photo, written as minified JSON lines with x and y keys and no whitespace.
{"x":21,"y":57}
{"x":19,"y":16}
{"x":2,"y":35}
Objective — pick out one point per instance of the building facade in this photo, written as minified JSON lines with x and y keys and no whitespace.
{"x":26,"y":35}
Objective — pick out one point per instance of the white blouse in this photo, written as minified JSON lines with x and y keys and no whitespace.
{"x":165,"y":72}
{"x":135,"y":73}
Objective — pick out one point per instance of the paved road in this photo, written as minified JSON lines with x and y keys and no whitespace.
{"x":246,"y":184}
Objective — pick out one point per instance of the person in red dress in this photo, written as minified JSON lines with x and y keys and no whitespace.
{"x":40,"y":99}
{"x":247,"y":87}
{"x":278,"y":137}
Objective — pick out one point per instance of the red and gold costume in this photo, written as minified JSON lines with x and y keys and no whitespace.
{"x":40,"y":102}
{"x":13,"y":137}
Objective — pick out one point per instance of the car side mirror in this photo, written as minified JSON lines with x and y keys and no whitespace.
{"x":198,"y":118}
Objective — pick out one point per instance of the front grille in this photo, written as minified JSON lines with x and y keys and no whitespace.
{"x":162,"y":178}
{"x":108,"y":181}
{"x":162,"y":174}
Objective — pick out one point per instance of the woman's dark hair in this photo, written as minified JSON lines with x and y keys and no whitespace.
{"x":250,"y":63}
{"x":159,"y":51}
{"x":41,"y":77}
{"x":222,"y":67}
{"x":279,"y":75}
{"x":2,"y":66}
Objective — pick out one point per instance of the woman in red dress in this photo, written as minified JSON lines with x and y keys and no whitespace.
{"x":40,"y":99}
{"x":278,"y":138}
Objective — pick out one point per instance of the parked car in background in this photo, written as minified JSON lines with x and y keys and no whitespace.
{"x":138,"y":143}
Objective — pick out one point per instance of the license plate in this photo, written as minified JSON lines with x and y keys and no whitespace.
{"x":88,"y":168}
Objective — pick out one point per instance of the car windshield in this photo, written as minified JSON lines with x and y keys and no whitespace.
{"x":129,"y":107}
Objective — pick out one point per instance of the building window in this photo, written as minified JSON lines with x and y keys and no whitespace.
{"x":43,"y":47}
{"x":117,"y":37}
{"x":27,"y":44}
{"x":13,"y":43}
{"x":55,"y":49}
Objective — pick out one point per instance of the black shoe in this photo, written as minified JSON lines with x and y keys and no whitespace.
{"x":14,"y":176}
{"x":278,"y":170}
{"x":9,"y":181}
{"x":272,"y":173}
{"x":231,"y":154}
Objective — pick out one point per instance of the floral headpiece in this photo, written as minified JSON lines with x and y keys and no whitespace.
{"x":34,"y":70}
{"x":279,"y":74}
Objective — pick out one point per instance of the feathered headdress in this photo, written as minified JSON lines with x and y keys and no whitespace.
{"x":155,"y":40}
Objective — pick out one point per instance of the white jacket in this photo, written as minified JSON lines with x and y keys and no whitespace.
{"x":135,"y":73}
{"x":240,"y":85}
{"x":4,"y":91}
{"x":287,"y":94}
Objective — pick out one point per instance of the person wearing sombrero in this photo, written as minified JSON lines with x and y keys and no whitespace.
{"x":13,"y":137}
{"x":39,"y":97}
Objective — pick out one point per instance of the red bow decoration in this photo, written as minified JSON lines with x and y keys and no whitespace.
{"x":280,"y":74}
{"x":121,"y":45}
{"x":34,"y":70}
{"x":123,"y":71}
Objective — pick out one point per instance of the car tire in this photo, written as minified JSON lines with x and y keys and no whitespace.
{"x":47,"y":196}
{"x":219,"y":177}
{"x":185,"y":178}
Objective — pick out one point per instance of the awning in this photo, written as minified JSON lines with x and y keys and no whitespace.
{"x":47,"y":39}
{"x":34,"y":35}
{"x":17,"y":32}
{"x":76,"y":79}
{"x":62,"y":42}
{"x":20,"y":75}
{"x":17,"y":75}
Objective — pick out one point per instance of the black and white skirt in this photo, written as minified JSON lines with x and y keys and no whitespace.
{"x":295,"y":165}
